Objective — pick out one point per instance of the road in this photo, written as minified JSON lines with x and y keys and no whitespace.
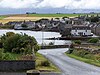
{"x":67,"y":65}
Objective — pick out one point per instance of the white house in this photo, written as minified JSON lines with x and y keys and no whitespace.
{"x":80,"y":30}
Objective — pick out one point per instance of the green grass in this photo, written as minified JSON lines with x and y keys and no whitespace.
{"x":40,"y":58}
{"x":6,"y":27}
{"x":2,"y":17}
{"x":89,"y":61}
{"x":15,"y":56}
{"x":58,"y":15}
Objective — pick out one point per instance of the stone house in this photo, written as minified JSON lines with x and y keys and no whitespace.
{"x":97,"y":29}
{"x":65,"y":29}
{"x":18,"y":25}
{"x":30,"y":24}
{"x":80,"y":30}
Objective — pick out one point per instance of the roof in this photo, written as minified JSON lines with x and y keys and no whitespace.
{"x":80,"y":27}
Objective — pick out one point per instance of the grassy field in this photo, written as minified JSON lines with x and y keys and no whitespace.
{"x":40,"y":59}
{"x":54,"y":15}
{"x":58,"y":15}
{"x":21,"y":17}
{"x":2,"y":17}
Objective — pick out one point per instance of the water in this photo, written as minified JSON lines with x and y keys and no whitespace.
{"x":39,"y":35}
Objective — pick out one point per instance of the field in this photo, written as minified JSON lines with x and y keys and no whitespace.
{"x":59,"y":15}
{"x":54,"y":15}
{"x":34,"y":17}
{"x":2,"y":17}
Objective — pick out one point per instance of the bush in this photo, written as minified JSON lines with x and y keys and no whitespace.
{"x":89,"y":56}
{"x":82,"y":53}
{"x":70,"y":51}
{"x":45,"y":63}
{"x":19,"y":43}
{"x":24,"y":25}
{"x":1,"y":53}
{"x":7,"y":56}
{"x":36,"y":48}
{"x":77,"y":42}
{"x":51,"y":43}
{"x":93,"y":40}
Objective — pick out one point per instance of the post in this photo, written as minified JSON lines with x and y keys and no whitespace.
{"x":42,"y":38}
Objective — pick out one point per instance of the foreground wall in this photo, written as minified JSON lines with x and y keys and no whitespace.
{"x":14,"y":73}
{"x":24,"y":73}
{"x":16,"y":65}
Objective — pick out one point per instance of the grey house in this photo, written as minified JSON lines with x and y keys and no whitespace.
{"x":65,"y":29}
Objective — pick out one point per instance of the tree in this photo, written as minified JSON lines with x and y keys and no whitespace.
{"x":24,"y":25}
{"x":19,"y":43}
{"x":93,"y":18}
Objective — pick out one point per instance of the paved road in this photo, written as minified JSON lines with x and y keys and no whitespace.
{"x":69,"y":66}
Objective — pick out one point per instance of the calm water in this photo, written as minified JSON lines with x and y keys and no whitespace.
{"x":39,"y":36}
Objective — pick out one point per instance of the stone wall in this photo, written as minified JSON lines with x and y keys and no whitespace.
{"x":13,"y":73}
{"x":24,"y":73}
{"x":54,"y":46}
{"x":16,"y":65}
{"x":52,"y":73}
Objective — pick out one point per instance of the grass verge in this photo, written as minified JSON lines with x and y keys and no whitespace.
{"x":39,"y":59}
{"x":89,"y":61}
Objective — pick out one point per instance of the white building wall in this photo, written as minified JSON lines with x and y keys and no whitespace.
{"x":76,"y":32}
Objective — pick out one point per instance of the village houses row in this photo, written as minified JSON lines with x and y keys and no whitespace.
{"x":77,"y":26}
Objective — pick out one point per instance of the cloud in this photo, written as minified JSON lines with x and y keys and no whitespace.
{"x":18,"y":3}
{"x":86,"y":4}
{"x":67,"y":4}
{"x":71,"y":4}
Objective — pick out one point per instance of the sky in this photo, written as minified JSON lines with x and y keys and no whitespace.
{"x":49,"y":6}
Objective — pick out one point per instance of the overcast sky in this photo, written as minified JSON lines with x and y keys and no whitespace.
{"x":20,"y":6}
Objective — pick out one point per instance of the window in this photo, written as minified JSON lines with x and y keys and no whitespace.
{"x":84,"y":33}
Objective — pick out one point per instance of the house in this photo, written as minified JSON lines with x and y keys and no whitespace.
{"x":77,"y":20}
{"x":30,"y":24}
{"x":80,"y":30}
{"x":18,"y":26}
{"x":93,"y":27}
{"x":65,"y":29}
{"x":97,"y":29}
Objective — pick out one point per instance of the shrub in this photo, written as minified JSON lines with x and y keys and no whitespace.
{"x":77,"y":42}
{"x":1,"y":54}
{"x":51,"y":43}
{"x":7,"y":56}
{"x":70,"y":51}
{"x":19,"y":43}
{"x":45,"y":63}
{"x":36,"y":48}
{"x":24,"y":25}
{"x":93,"y":40}
{"x":89,"y":56}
